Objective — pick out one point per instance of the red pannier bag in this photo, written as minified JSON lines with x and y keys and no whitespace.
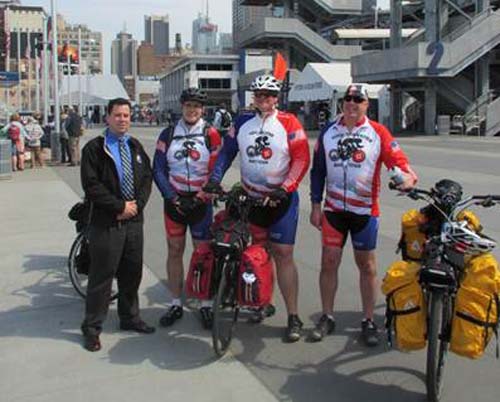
{"x":255,"y":277}
{"x":201,"y":268}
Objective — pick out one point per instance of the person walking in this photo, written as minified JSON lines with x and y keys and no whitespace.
{"x":74,"y":128}
{"x":34,"y":133}
{"x":64,"y":141}
{"x":17,"y":135}
{"x":347,"y":161}
{"x":116,"y":177}
{"x":184,"y":158}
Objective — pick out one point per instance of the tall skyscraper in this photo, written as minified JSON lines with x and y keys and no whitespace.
{"x":156,"y":31}
{"x":124,"y":56}
{"x":204,"y":35}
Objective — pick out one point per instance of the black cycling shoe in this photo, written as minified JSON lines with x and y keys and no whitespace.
{"x":261,"y":313}
{"x":293,"y":330}
{"x":173,"y":314}
{"x":324,"y":326}
{"x":369,"y":333}
{"x":207,"y":317}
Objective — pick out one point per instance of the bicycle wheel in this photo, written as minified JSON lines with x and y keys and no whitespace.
{"x":437,"y":348}
{"x":225,"y":311}
{"x":77,"y":276}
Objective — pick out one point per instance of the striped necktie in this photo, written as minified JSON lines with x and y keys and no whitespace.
{"x":128,"y":176}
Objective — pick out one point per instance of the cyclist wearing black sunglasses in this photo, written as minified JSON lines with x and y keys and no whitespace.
{"x":347,"y":160}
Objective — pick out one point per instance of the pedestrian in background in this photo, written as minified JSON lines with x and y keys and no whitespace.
{"x":64,"y":140}
{"x":116,"y":178}
{"x":222,"y":120}
{"x":34,"y":133}
{"x":17,"y":135}
{"x":74,"y":129}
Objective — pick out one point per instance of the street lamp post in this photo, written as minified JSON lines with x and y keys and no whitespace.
{"x":54,"y":138}
{"x":46,"y":87}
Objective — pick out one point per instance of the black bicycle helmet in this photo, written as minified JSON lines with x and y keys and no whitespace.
{"x":448,"y":193}
{"x":194,"y":95}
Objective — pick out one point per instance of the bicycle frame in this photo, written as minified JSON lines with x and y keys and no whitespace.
{"x":440,"y":278}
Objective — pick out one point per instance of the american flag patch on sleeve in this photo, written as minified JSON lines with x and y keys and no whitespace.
{"x":395,"y":146}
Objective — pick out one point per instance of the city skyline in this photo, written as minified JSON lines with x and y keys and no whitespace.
{"x":132,"y":14}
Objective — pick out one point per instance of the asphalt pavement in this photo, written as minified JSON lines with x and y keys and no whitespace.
{"x":42,"y":358}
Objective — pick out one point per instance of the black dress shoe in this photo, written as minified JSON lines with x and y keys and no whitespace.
{"x":92,"y":343}
{"x":139,"y":326}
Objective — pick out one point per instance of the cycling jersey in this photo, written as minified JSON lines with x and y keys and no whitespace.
{"x":350,"y":163}
{"x":274,"y":152}
{"x":184,"y":158}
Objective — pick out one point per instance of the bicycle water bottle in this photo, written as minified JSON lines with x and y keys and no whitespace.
{"x":396,"y":175}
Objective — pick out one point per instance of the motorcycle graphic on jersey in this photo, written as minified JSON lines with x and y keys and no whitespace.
{"x":348,"y":148}
{"x":260,"y":148}
{"x":189,"y":150}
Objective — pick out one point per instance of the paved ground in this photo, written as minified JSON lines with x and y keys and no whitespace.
{"x":38,"y":307}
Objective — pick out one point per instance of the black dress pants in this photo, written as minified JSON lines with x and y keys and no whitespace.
{"x":114,"y":252}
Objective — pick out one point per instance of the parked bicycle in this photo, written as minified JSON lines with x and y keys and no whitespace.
{"x":449,"y":244}
{"x":230,"y":239}
{"x":79,"y":255}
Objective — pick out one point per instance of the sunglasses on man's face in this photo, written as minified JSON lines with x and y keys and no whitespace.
{"x":264,"y":94}
{"x":356,"y":98}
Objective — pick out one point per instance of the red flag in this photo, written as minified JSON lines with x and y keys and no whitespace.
{"x":280,"y":67}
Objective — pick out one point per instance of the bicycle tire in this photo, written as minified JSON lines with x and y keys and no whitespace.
{"x":437,"y":345}
{"x":225,"y":312}
{"x":78,"y":280}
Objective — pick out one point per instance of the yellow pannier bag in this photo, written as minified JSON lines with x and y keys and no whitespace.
{"x":472,"y":220}
{"x":477,"y":309}
{"x":412,"y":239}
{"x":475,"y":320}
{"x":482,"y":272}
{"x":405,"y":309}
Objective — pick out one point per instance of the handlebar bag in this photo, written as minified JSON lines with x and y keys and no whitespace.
{"x":255,"y":277}
{"x":201,"y":268}
{"x":405,"y":306}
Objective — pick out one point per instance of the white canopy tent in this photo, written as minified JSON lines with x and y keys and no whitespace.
{"x":324,"y":82}
{"x":96,"y":89}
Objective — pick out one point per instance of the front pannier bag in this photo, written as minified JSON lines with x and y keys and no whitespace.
{"x":405,"y":309}
{"x":255,"y":278}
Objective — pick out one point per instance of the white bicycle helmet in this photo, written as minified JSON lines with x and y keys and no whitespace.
{"x":265,"y":83}
{"x":465,"y":239}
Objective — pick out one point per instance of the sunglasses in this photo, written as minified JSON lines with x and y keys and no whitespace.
{"x":264,"y":94}
{"x":355,"y":98}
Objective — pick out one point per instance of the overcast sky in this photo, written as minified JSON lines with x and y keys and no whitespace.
{"x":110,"y":16}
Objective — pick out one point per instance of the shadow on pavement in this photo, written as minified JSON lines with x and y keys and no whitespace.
{"x":350,"y":373}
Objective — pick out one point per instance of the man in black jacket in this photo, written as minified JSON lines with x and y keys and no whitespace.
{"x":116,"y":177}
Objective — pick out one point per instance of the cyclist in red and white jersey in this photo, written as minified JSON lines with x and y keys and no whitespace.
{"x":274,"y":157}
{"x":185,"y":155}
{"x":348,"y":157}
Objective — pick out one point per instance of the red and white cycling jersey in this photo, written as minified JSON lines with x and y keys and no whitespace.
{"x":189,"y":154}
{"x":274,"y":152}
{"x":351,"y":162}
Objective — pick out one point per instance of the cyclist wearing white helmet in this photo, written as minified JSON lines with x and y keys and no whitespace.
{"x":274,"y":157}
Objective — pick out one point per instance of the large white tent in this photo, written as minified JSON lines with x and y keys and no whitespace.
{"x":324,"y":82}
{"x":96,"y":89}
